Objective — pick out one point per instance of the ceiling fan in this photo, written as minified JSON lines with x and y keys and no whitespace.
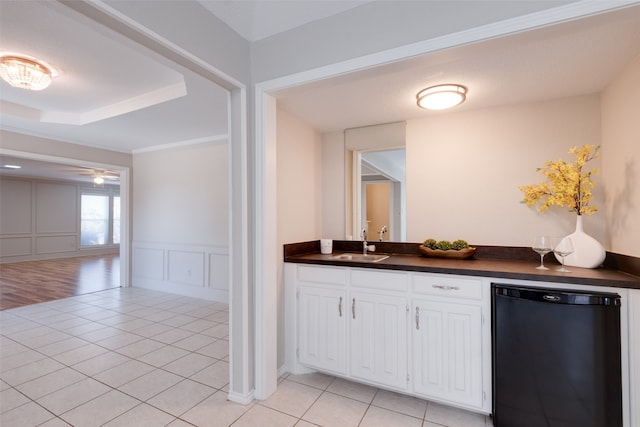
{"x":98,"y":176}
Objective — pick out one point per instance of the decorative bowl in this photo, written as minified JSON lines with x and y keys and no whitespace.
{"x":452,"y":253}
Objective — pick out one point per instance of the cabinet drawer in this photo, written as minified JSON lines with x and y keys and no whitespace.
{"x":379,"y":279}
{"x":327,"y":275}
{"x":451,"y":287}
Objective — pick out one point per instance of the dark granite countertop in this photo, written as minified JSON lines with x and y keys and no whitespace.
{"x":487,"y":264}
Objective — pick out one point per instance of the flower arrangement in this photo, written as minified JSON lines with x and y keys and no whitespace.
{"x":567,"y":184}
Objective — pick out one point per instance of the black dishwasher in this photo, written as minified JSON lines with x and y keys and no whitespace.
{"x":556,"y":358}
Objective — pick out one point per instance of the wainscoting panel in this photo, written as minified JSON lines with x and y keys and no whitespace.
{"x":16,"y":207}
{"x":191,"y":270}
{"x":148,"y":263}
{"x":186,"y":267}
{"x":219,"y":271}
{"x":40,"y":219}
{"x":15,"y":246}
{"x":56,"y":244}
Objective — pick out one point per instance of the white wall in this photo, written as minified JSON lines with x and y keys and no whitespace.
{"x":181,"y":195}
{"x":191,"y":26}
{"x":621,"y":160}
{"x":464,"y":169}
{"x":299,"y":193}
{"x":180,"y":220}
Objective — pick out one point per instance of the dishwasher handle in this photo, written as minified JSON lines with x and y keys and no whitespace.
{"x":557,"y":296}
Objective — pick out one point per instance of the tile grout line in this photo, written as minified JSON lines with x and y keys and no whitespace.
{"x":111,"y":388}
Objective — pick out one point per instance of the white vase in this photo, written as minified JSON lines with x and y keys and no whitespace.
{"x":587,"y":251}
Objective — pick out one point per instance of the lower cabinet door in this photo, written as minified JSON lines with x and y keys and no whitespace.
{"x":378,"y":338}
{"x":447,"y":351}
{"x":322,"y":328}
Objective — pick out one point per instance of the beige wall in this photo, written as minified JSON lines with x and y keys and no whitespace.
{"x":299,"y":189}
{"x":299,"y":180}
{"x":333,"y":187}
{"x":621,"y":160}
{"x":464,"y":169}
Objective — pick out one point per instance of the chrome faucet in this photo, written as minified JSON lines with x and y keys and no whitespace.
{"x":365,"y":246}
{"x":383,"y":230}
{"x":363,"y":236}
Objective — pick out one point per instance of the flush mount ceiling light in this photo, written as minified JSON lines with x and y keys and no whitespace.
{"x":441,"y":97}
{"x":25,"y":73}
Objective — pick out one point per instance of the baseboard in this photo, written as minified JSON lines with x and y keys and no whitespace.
{"x":243,"y":399}
{"x":282,"y":370}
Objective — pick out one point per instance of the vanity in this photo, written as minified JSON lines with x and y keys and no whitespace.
{"x":422,"y":326}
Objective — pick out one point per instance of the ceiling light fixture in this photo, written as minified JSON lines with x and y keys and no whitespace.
{"x":11,"y":167}
{"x":98,"y":180}
{"x":441,"y":97}
{"x":25,"y":73}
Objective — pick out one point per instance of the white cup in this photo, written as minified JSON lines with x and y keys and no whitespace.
{"x":326,"y":246}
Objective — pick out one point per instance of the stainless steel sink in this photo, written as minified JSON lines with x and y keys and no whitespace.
{"x":359,"y":257}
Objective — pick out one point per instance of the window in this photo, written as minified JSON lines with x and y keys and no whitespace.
{"x":99,"y":220}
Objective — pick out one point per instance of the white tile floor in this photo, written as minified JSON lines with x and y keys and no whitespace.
{"x":133,"y":357}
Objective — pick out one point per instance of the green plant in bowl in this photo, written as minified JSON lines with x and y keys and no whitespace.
{"x":430,"y":243}
{"x":459,"y":244}
{"x":444,"y":245}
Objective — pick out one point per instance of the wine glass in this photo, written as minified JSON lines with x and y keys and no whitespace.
{"x":542,"y":245}
{"x":562,"y":249}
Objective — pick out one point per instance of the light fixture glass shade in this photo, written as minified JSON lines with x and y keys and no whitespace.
{"x":24,"y":73}
{"x":441,"y":97}
{"x":98,"y":180}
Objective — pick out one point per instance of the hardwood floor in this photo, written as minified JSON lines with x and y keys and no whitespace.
{"x":32,"y":282}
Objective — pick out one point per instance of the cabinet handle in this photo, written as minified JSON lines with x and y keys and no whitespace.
{"x":446,"y":287}
{"x":417,"y":318}
{"x":340,"y":307}
{"x":353,"y":308}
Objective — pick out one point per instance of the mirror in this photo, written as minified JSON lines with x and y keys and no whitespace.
{"x":375,"y":182}
{"x":382,"y":194}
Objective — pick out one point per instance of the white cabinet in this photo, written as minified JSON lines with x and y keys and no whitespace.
{"x":415,"y":333}
{"x":353,"y":323}
{"x":378,"y":338}
{"x":322,"y":328}
{"x":448,"y":345}
{"x":447,"y":351}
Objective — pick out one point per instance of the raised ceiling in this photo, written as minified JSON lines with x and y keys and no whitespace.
{"x":110,"y":92}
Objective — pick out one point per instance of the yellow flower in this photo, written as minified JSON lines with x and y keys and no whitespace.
{"x":567,"y":185}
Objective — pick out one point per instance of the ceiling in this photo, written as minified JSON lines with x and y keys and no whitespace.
{"x":573,"y":58}
{"x":256,"y":20}
{"x":112,"y":93}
